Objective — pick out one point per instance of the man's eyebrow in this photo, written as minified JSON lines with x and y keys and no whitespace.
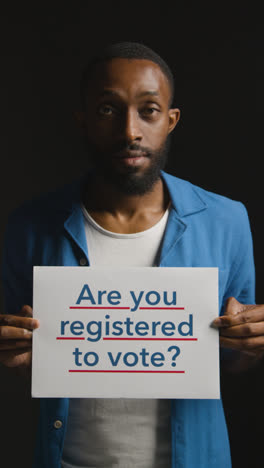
{"x":148,"y":93}
{"x":111,"y":92}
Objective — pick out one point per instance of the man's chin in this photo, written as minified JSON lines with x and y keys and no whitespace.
{"x":132,"y":182}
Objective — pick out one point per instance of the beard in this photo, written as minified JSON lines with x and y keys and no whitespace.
{"x":130,"y":181}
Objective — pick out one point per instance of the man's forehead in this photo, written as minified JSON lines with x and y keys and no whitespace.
{"x":143,"y":76}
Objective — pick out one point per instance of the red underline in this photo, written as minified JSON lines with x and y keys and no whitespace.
{"x":92,"y":308}
{"x":161,"y":308}
{"x":70,"y":338}
{"x":154,"y":339}
{"x":126,"y":308}
{"x":131,"y":339}
{"x":130,"y":371}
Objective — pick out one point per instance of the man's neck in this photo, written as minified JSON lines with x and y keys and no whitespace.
{"x":124,"y":213}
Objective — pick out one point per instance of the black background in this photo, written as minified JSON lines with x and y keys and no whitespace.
{"x":216,"y":55}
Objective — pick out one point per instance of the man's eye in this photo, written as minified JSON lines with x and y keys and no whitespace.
{"x":106,"y":110}
{"x":149,"y":111}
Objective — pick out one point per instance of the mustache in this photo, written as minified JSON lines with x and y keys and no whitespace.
{"x":121,"y":148}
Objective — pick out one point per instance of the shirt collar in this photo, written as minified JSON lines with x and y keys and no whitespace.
{"x":184,"y":196}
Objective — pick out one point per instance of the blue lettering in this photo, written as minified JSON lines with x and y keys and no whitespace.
{"x":63,"y":324}
{"x":77,"y":353}
{"x":114,"y":361}
{"x":155,"y":301}
{"x":95,"y":358}
{"x":136,"y":300}
{"x":77,"y":327}
{"x":157,"y":359}
{"x":189,"y":326}
{"x":166,"y":327}
{"x":134,"y":359}
{"x":141,"y":326}
{"x":89,"y":296}
{"x":165,"y":298}
{"x":113,"y":297}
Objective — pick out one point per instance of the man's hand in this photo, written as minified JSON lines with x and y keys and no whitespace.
{"x":16,"y":339}
{"x":242,"y":329}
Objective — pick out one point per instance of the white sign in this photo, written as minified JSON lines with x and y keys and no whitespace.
{"x":125,"y":332}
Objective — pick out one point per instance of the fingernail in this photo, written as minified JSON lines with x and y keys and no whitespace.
{"x":217,"y":322}
{"x":34,"y":324}
{"x":27,"y":332}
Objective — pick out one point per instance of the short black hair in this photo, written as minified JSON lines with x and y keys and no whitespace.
{"x":127,"y":50}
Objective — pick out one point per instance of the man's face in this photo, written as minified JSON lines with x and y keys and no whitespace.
{"x":127,"y":122}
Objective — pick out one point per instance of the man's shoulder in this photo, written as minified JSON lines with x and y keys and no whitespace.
{"x":52,"y":203}
{"x":189,"y":197}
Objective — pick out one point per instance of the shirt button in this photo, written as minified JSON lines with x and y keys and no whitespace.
{"x":57,"y":424}
{"x":83,"y":261}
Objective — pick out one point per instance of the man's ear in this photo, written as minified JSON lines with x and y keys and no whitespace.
{"x":174,"y":117}
{"x":79,"y":118}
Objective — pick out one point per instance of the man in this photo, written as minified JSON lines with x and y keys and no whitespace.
{"x":127,"y":211}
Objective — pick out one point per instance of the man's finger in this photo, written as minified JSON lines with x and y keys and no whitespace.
{"x":252,"y":344}
{"x":26,"y":311}
{"x":244,"y":330}
{"x":255,"y":313}
{"x":21,"y":357}
{"x":14,"y":344}
{"x":19,"y":322}
{"x":13,"y":333}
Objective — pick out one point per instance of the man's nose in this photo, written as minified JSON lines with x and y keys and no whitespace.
{"x":131,"y":128}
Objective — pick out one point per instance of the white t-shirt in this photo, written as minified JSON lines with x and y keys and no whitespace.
{"x":119,"y":432}
{"x":107,"y":248}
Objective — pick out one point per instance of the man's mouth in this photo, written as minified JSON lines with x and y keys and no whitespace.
{"x":130,"y":154}
{"x":131,"y":158}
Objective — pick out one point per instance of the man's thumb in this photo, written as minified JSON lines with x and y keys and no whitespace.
{"x":234,"y":307}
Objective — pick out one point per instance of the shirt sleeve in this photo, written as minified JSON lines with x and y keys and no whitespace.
{"x":17,"y":270}
{"x":241,"y":280}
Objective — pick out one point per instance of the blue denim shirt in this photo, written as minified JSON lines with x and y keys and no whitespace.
{"x":203,"y":230}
